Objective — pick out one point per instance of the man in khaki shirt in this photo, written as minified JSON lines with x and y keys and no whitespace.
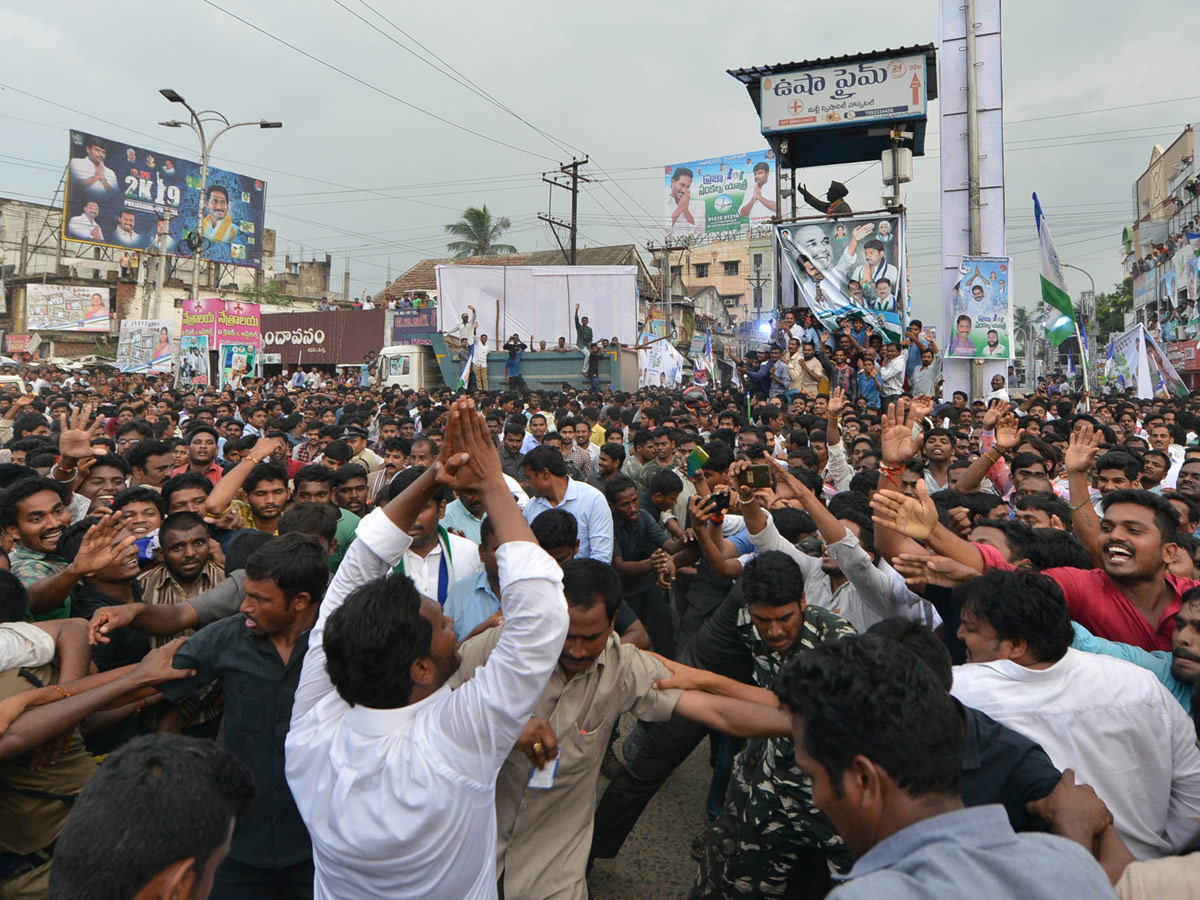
{"x":807,"y":370}
{"x":545,"y":793}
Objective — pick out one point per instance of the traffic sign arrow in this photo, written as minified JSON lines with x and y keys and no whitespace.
{"x":915,"y":84}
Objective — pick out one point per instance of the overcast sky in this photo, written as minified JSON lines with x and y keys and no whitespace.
{"x":635,"y":85}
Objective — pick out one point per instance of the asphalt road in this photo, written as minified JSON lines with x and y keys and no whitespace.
{"x":655,"y":862}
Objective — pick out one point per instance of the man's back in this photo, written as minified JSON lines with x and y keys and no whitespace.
{"x":974,"y":852}
{"x":1116,"y":725}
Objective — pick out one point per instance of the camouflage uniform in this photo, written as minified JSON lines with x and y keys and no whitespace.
{"x":770,"y":840}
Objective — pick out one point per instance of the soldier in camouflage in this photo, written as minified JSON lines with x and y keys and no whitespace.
{"x":770,"y":841}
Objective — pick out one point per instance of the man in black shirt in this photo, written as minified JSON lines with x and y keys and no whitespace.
{"x":257,"y":657}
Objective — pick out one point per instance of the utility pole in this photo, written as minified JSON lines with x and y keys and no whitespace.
{"x":664,"y":252}
{"x":974,"y":202}
{"x":164,"y":235}
{"x":569,"y":172}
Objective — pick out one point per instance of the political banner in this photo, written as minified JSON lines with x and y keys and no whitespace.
{"x":223,"y":321}
{"x":980,"y":323}
{"x":237,"y":361}
{"x":849,"y":266}
{"x":723,"y":195}
{"x":144,"y":345}
{"x":193,"y":361}
{"x":1136,"y":360}
{"x":67,"y":307}
{"x":122,"y":196}
{"x":659,"y":364}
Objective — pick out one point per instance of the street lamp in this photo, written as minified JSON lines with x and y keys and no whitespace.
{"x":1086,"y":312}
{"x":197,"y":122}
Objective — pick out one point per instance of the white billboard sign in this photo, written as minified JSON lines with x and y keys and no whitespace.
{"x":873,"y":90}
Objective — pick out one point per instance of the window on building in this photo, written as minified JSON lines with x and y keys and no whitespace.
{"x":676,"y":271}
{"x":701,"y":270}
{"x":758,"y":260}
{"x":731,"y":266}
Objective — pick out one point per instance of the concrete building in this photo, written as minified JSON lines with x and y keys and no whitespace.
{"x":31,"y":250}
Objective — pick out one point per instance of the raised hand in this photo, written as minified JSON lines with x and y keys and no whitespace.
{"x":896,"y":435}
{"x":994,"y":413}
{"x":837,"y":402}
{"x":862,"y":231}
{"x":915,"y":517}
{"x":75,"y":437}
{"x":921,"y":408}
{"x":102,"y":545}
{"x":1082,"y":449}
{"x":468,"y":460}
{"x":1008,"y":434}
{"x":264,"y":447}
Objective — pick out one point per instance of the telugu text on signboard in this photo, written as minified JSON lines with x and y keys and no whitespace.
{"x":831,"y":96}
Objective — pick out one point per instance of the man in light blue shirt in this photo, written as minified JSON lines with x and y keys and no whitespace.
{"x":1164,"y":665}
{"x":883,"y":744}
{"x":473,"y":601}
{"x":550,"y":488}
{"x":464,"y":515}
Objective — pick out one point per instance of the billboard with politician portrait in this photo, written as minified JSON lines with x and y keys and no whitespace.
{"x":67,"y":307}
{"x":849,"y":266}
{"x":980,"y":323}
{"x":124,"y":197}
{"x":719,"y":196}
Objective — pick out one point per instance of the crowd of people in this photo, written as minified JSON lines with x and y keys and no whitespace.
{"x":355,"y":641}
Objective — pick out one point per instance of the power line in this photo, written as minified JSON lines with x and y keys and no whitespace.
{"x":373,"y":87}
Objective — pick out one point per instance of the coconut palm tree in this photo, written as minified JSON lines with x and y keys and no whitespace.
{"x":478,"y":232}
{"x":1022,"y":324}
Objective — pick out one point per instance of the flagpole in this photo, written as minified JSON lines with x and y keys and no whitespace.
{"x":1079,"y":343}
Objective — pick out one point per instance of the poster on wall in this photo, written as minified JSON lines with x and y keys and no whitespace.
{"x":237,"y":361}
{"x":193,"y":361}
{"x":223,"y":321}
{"x":980,"y":323}
{"x":660,"y":364}
{"x":67,"y":307}
{"x":144,"y":345}
{"x":849,"y":266}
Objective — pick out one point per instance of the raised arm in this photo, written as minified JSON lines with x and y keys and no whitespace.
{"x":917,"y":518}
{"x":1008,"y":436}
{"x":1081,"y":454}
{"x":226,"y":490}
{"x":900,"y":441}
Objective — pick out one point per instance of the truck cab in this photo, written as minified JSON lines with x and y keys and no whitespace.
{"x":409,"y":367}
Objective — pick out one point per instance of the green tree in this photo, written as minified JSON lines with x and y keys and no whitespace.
{"x":271,"y":294}
{"x":1021,"y":326}
{"x":477,"y":233}
{"x":1111,"y":309}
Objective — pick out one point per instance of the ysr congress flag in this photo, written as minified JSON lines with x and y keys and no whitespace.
{"x":1054,"y":288}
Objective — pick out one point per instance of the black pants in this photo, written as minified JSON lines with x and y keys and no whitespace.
{"x":652,"y":609}
{"x":240,"y":881}
{"x":666,"y":745}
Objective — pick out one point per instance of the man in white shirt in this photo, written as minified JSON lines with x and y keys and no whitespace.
{"x":435,"y":560}
{"x":393,"y":773}
{"x":125,"y":234}
{"x":84,"y":226}
{"x":458,"y":336}
{"x":90,"y":174}
{"x":759,"y":202}
{"x":685,"y":215}
{"x":1111,"y":721}
{"x":892,"y":372}
{"x":479,"y":356}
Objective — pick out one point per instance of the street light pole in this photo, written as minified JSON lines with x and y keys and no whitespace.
{"x":197,"y":122}
{"x":1078,"y":335}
